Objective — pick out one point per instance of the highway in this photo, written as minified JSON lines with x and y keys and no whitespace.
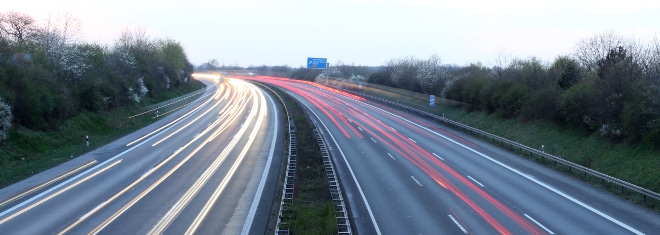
{"x":209,"y":168}
{"x":403,"y":174}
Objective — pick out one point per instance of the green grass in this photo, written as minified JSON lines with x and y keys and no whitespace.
{"x":312,"y":210}
{"x":635,"y":163}
{"x":313,"y":219}
{"x":28,"y":152}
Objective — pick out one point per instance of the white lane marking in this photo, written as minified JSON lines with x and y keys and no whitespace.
{"x":350,"y":169}
{"x":360,"y":129}
{"x":438,"y":156}
{"x":89,"y":171}
{"x":372,"y":139}
{"x":388,"y":154}
{"x":47,"y":183}
{"x":480,"y":184}
{"x":262,"y":183}
{"x":416,"y":181}
{"x":393,"y":128}
{"x":458,"y":224}
{"x":64,"y":189}
{"x":539,"y":224}
{"x":412,"y":140}
{"x":613,"y":220}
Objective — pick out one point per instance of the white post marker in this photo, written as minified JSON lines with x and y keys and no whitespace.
{"x":87,"y":140}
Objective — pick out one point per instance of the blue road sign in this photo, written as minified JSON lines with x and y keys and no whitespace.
{"x":317,"y":63}
{"x":432,"y":100}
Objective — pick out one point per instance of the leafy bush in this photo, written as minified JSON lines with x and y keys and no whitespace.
{"x":573,"y":105}
{"x":510,"y":102}
{"x":541,"y":105}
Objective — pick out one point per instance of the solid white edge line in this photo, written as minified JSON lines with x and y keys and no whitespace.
{"x":10,"y":210}
{"x":631,"y":229}
{"x":458,"y":224}
{"x":264,"y":176}
{"x":539,"y":224}
{"x":350,"y":169}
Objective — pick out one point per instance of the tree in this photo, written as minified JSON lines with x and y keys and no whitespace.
{"x":429,"y":73}
{"x":591,"y":50}
{"x":5,"y":120}
{"x":58,"y":40}
{"x":567,"y":71}
{"x":18,"y":25}
{"x":173,"y":57}
{"x":617,"y":75}
{"x":305,"y":74}
{"x":403,"y":73}
{"x":531,"y":72}
{"x":574,"y":103}
{"x":381,"y":77}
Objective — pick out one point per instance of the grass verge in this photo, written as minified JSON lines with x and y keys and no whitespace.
{"x":28,"y":152}
{"x":312,"y":210}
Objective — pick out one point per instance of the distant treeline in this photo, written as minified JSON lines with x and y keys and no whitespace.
{"x":610,"y":85}
{"x":47,"y":74}
{"x":336,"y":70}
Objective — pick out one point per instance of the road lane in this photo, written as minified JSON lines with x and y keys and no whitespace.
{"x":467,"y":185}
{"x":167,"y":173}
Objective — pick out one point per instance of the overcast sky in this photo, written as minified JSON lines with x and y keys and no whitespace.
{"x":361,"y":32}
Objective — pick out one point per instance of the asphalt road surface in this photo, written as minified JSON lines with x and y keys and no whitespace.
{"x":209,"y":168}
{"x":403,"y":174}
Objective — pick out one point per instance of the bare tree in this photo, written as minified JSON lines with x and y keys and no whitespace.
{"x":17,"y":25}
{"x":591,"y":50}
{"x":502,"y":60}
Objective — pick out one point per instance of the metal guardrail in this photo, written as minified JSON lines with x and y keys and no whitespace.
{"x":284,"y":215}
{"x":341,"y":215}
{"x":604,"y":177}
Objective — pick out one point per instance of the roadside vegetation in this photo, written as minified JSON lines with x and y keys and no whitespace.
{"x":599,"y":107}
{"x":56,"y":89}
{"x":312,"y":210}
{"x":610,"y":86}
{"x":635,"y":163}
